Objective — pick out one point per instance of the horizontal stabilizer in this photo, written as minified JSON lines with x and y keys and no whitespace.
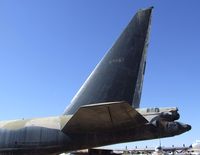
{"x":104,"y":117}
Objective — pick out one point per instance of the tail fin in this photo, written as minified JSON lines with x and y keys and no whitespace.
{"x":119,"y":75}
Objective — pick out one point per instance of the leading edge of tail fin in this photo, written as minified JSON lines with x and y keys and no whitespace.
{"x":119,"y":75}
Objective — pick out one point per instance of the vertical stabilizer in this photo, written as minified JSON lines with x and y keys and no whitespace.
{"x":119,"y":75}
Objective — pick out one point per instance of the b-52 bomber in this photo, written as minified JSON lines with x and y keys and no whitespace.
{"x":106,"y":108}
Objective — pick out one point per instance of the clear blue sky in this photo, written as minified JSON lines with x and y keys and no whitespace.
{"x":49,"y":47}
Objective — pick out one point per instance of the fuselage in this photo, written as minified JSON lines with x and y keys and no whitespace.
{"x":42,"y":136}
{"x":33,"y":136}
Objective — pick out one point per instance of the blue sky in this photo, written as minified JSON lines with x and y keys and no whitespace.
{"x":49,"y":47}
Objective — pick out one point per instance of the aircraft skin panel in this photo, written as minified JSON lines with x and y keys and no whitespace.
{"x":119,"y":75}
{"x":32,"y":140}
{"x":57,"y":122}
{"x":104,"y":117}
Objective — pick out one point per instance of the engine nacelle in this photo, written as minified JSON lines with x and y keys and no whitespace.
{"x":172,"y":128}
{"x":164,"y":120}
{"x":169,"y":116}
{"x":165,"y":117}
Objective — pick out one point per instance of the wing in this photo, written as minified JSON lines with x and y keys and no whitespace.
{"x":103,"y":117}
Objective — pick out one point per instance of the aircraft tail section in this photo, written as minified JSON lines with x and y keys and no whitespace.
{"x":119,"y":75}
{"x":103,"y":117}
{"x":120,"y":116}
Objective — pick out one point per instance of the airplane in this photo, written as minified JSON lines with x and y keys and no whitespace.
{"x":160,"y":150}
{"x":106,"y":108}
{"x":195,"y":148}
